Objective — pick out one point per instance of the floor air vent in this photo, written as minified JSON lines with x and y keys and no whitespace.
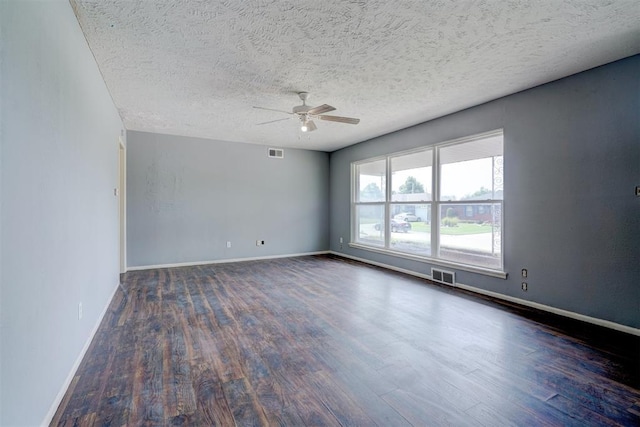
{"x":442,"y":276}
{"x":276,"y":153}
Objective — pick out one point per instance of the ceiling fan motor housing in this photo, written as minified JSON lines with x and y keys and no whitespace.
{"x":302,"y":109}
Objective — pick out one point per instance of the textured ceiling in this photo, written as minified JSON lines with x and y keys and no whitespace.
{"x":196,"y":68}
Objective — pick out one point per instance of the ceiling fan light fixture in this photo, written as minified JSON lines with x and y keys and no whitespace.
{"x":307,"y":124}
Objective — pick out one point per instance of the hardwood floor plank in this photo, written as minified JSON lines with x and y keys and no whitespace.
{"x":57,"y":418}
{"x":322,"y":341}
{"x":505,"y":397}
{"x":420,"y":411}
{"x":579,"y":414}
{"x":212,"y":406}
{"x":592,"y":395}
{"x":341,"y":405}
{"x":178,"y":373}
{"x":306,"y":403}
{"x":489,"y":417}
{"x":362,"y":385}
{"x":434,"y":385}
{"x":150,"y":400}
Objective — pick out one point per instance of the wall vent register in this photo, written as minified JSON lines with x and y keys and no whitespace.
{"x":442,"y":276}
{"x":276,"y":153}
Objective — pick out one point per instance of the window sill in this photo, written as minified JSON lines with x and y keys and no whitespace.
{"x":470,"y":268}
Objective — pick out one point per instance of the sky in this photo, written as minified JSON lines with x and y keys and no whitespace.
{"x":458,"y":179}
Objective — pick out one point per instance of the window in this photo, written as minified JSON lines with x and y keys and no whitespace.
{"x":370,"y":203}
{"x":451,"y":212}
{"x":410,"y":208}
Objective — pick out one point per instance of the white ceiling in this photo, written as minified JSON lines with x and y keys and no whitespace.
{"x":196,"y":67}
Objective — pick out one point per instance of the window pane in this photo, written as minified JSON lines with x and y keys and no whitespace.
{"x":411,"y":177}
{"x":370,"y":224}
{"x":474,"y":240}
{"x":371,"y":181}
{"x":472,"y":170}
{"x":410,"y":229}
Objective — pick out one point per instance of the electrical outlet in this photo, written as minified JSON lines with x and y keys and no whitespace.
{"x":341,"y":241}
{"x":228,"y":243}
{"x":524,"y":272}
{"x":79,"y":311}
{"x":638,"y":190}
{"x":259,"y":242}
{"x":524,"y":286}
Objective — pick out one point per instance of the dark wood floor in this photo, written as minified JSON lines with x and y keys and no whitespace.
{"x":325,"y":341}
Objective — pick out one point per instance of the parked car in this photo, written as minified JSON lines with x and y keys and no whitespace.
{"x":396,"y":226}
{"x":407,"y":216}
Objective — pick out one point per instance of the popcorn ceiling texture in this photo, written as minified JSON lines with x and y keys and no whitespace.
{"x":196,"y":68}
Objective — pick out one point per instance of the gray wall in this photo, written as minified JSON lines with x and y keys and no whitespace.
{"x":186,"y":197}
{"x":59,"y":218}
{"x":572,"y":160}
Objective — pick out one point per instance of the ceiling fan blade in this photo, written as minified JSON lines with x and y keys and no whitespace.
{"x":272,"y":109}
{"x":272,"y":121}
{"x":324,"y":108}
{"x":349,"y":120}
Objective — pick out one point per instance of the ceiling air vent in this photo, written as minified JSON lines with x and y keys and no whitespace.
{"x":276,"y":153}
{"x":442,"y":276}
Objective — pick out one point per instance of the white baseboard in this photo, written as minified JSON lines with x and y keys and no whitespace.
{"x":543,"y":307}
{"x":222,"y":261}
{"x":387,"y":266}
{"x":54,"y":406}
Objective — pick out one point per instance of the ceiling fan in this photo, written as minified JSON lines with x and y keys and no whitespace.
{"x":306,"y":114}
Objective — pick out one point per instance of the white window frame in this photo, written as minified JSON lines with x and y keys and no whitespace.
{"x":435,"y":204}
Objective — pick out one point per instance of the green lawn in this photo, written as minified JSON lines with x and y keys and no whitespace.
{"x":462,"y":228}
{"x":364,"y":220}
